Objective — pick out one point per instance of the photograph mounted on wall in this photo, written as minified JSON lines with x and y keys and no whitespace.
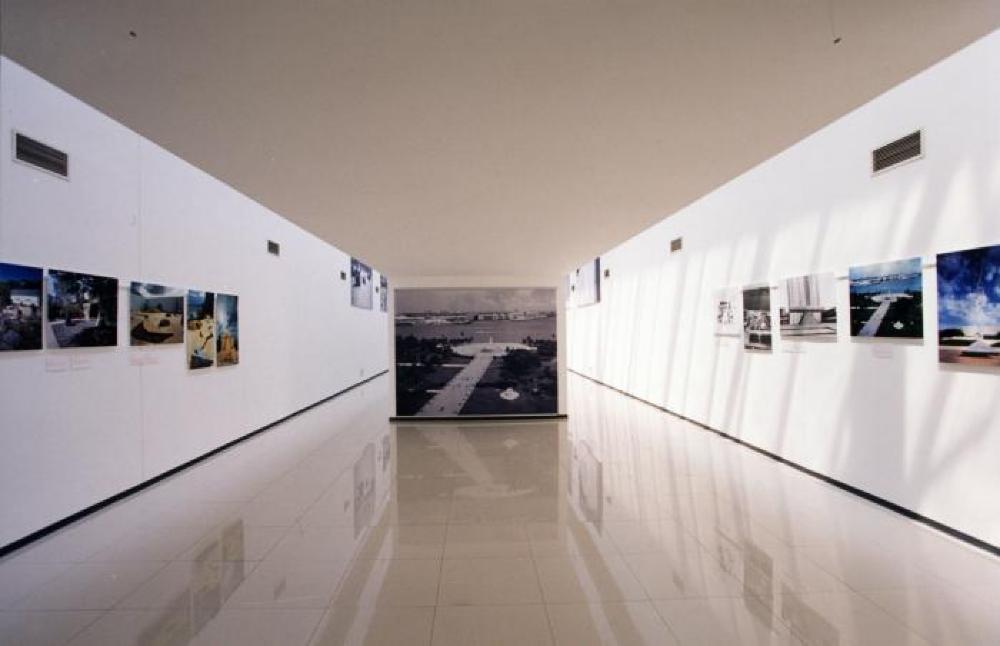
{"x":20,"y":307}
{"x":475,"y":352}
{"x":200,"y":329}
{"x":383,"y":294}
{"x":808,"y":306}
{"x":585,"y":284}
{"x":361,"y":284}
{"x":82,"y":310}
{"x":227,"y":330}
{"x":156,"y":314}
{"x":757,"y":318}
{"x":887,"y":300}
{"x":727,"y":312}
{"x":969,"y":306}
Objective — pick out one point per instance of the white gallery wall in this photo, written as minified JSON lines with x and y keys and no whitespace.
{"x":883,"y":416}
{"x":79,"y":425}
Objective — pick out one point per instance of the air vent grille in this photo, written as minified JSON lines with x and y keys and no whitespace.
{"x":40,"y":156}
{"x":273,"y":248}
{"x":676,"y":244}
{"x":897,"y":152}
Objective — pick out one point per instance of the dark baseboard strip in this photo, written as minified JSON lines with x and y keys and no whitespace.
{"x":870,"y":497}
{"x":145,"y":484}
{"x":477,"y":418}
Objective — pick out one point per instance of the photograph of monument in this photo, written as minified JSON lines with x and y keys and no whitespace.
{"x":585,"y":284}
{"x":156,"y":314}
{"x":383,"y":294}
{"x":757,"y":318}
{"x":227,"y":330}
{"x":475,"y":351}
{"x":887,"y":300}
{"x":82,"y":310}
{"x":969,"y":306}
{"x":808,"y":306}
{"x":727,"y":312}
{"x":361,"y":284}
{"x":200,"y":329}
{"x":20,"y":307}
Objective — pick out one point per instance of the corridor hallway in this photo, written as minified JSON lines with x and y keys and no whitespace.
{"x":619,"y":525}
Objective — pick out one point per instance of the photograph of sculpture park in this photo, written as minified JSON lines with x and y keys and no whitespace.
{"x":82,"y":310}
{"x":20,"y":307}
{"x":887,"y":300}
{"x":227,"y":330}
{"x":475,"y":352}
{"x":969,"y":306}
{"x":156,"y":314}
{"x":200,"y":329}
{"x":361,"y":284}
{"x":808,"y":306}
{"x":757,"y":318}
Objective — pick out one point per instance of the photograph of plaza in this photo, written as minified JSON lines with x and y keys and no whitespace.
{"x":475,"y":352}
{"x":969,"y":306}
{"x":200,"y":329}
{"x":20,"y":307}
{"x":361,"y":284}
{"x":887,"y":300}
{"x":156,"y":314}
{"x":82,"y":310}
{"x":808,"y":306}
{"x":757,"y":318}
{"x":227,"y":330}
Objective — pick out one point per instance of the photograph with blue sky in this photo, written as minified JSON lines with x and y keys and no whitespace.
{"x":20,"y":307}
{"x":969,"y":306}
{"x":887,"y":299}
{"x":200,"y":329}
{"x":227,"y":330}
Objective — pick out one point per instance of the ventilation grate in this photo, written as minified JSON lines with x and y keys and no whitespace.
{"x":676,"y":244}
{"x":40,"y":156}
{"x":273,"y":248}
{"x":897,"y":152}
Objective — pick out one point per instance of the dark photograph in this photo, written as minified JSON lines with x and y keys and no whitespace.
{"x":20,"y":307}
{"x":757,"y":318}
{"x":475,"y":352}
{"x":82,"y":310}
{"x":361,"y":284}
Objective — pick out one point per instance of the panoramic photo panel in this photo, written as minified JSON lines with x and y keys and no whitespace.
{"x":475,"y":352}
{"x":361,"y":284}
{"x":887,"y":300}
{"x":82,"y":310}
{"x":200,"y":329}
{"x":227,"y":330}
{"x":969,"y":306}
{"x":156,"y":314}
{"x":727,"y":312}
{"x":757,"y":318}
{"x":20,"y":307}
{"x":808,"y":306}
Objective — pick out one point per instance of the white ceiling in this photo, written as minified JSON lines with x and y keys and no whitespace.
{"x":485,"y":137}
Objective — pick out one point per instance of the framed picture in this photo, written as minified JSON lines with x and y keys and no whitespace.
{"x":808,"y":306}
{"x":82,"y":310}
{"x":757,"y":318}
{"x":20,"y":307}
{"x":969,"y":306}
{"x":361,"y":284}
{"x":887,"y":300}
{"x":156,"y":314}
{"x":200,"y":329}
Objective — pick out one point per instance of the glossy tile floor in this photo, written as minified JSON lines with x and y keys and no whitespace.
{"x":622,"y":525}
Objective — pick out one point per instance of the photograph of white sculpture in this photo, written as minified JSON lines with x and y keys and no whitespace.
{"x":82,"y":310}
{"x":808,"y":306}
{"x":728,"y":321}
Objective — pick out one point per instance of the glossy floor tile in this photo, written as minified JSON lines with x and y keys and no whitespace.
{"x":621,"y":525}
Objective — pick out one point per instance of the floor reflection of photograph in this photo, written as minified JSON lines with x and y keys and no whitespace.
{"x":969,"y":306}
{"x":155,"y":314}
{"x":20,"y":307}
{"x":82,"y":310}
{"x":475,"y":352}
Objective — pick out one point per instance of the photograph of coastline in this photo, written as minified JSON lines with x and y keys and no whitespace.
{"x":156,"y":314}
{"x":585,"y":284}
{"x":20,"y":307}
{"x":887,"y":300}
{"x":361,"y":284}
{"x":727,"y":312}
{"x":969,"y":306}
{"x":475,"y":351}
{"x":757,"y":318}
{"x":82,"y":310}
{"x":383,"y":294}
{"x":200,"y":329}
{"x":808,"y":306}
{"x":227,"y":330}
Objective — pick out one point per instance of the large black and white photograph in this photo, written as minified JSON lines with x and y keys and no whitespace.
{"x":475,"y":352}
{"x":82,"y":310}
{"x":727,"y":312}
{"x":361,"y":284}
{"x":20,"y":307}
{"x":585,"y":284}
{"x":757,"y":318}
{"x":808,"y":306}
